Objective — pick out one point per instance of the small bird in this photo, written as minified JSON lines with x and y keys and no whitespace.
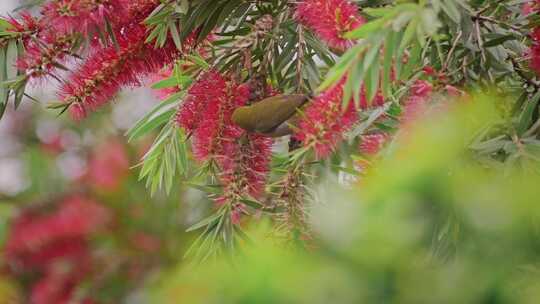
{"x":272,"y":116}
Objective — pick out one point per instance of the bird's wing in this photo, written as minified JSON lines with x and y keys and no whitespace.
{"x":274,"y":111}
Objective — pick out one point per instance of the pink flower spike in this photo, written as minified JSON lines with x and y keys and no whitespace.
{"x":68,"y":16}
{"x":373,"y":143}
{"x":416,"y":103}
{"x":330,"y":20}
{"x":110,"y":69}
{"x":325,"y":122}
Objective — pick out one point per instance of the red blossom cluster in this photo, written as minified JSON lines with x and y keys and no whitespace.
{"x":325,"y":122}
{"x":242,"y":158}
{"x":533,"y":7}
{"x":416,"y":104}
{"x":122,"y":60}
{"x":207,"y":90}
{"x":111,"y":68}
{"x":371,"y":144}
{"x":535,"y":51}
{"x":43,"y":56}
{"x":330,"y":20}
{"x":530,"y":7}
{"x":54,"y":246}
{"x":44,"y":47}
{"x":26,"y":26}
{"x":84,"y":16}
{"x":108,"y":166}
{"x":414,"y":107}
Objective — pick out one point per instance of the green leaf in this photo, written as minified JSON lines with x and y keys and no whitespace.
{"x":252,"y":203}
{"x":450,"y":9}
{"x":500,"y":39}
{"x":213,"y":189}
{"x":4,"y":24}
{"x":372,"y":82}
{"x":526,"y":117}
{"x":207,"y":221}
{"x":389,"y":49}
{"x":111,"y":33}
{"x":338,"y":71}
{"x":162,"y":113}
{"x":356,"y":78}
{"x":367,"y":29}
{"x":170,"y":82}
{"x":175,"y":34}
{"x":199,"y":61}
{"x":4,"y":92}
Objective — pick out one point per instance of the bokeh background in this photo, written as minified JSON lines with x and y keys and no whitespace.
{"x":431,"y":223}
{"x":75,"y":221}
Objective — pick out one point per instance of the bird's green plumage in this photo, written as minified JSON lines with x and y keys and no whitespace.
{"x":268,"y":114}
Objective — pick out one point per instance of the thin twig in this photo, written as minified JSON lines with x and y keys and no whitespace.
{"x":300,"y":58}
{"x":449,"y":57}
{"x":521,"y":74}
{"x":499,"y":22}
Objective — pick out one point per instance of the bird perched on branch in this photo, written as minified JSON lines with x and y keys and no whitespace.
{"x":272,"y":116}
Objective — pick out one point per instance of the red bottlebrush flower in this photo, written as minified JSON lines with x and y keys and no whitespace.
{"x":216,"y":134}
{"x":108,"y":70}
{"x":74,"y":248}
{"x":243,"y":159}
{"x":60,"y":281}
{"x":207,"y":91}
{"x":373,"y":143}
{"x":452,"y":91}
{"x":43,"y":57}
{"x":54,"y":288}
{"x":429,"y":70}
{"x":55,"y":245}
{"x":76,"y":217}
{"x":245,"y":167}
{"x":377,"y":101}
{"x":324,"y":122}
{"x":416,"y":103}
{"x":534,"y":51}
{"x":108,"y":166}
{"x":530,"y":7}
{"x":26,"y":25}
{"x":145,"y":242}
{"x":68,"y":16}
{"x":330,"y":20}
{"x":138,"y":10}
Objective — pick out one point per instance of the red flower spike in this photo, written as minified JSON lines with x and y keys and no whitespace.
{"x":108,"y":166}
{"x":324,"y":122}
{"x":206,"y":92}
{"x":243,"y":159}
{"x":55,"y":245}
{"x":534,"y":51}
{"x":26,"y":25}
{"x":215,"y":135}
{"x":330,"y":20}
{"x":107,"y":71}
{"x":373,"y":143}
{"x":416,"y":104}
{"x":245,"y":167}
{"x":85,"y":16}
{"x":42,"y":57}
{"x":76,"y":217}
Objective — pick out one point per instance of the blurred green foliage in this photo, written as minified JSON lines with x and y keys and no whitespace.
{"x":429,"y":225}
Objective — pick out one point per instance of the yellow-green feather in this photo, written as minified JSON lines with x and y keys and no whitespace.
{"x":269,"y":113}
